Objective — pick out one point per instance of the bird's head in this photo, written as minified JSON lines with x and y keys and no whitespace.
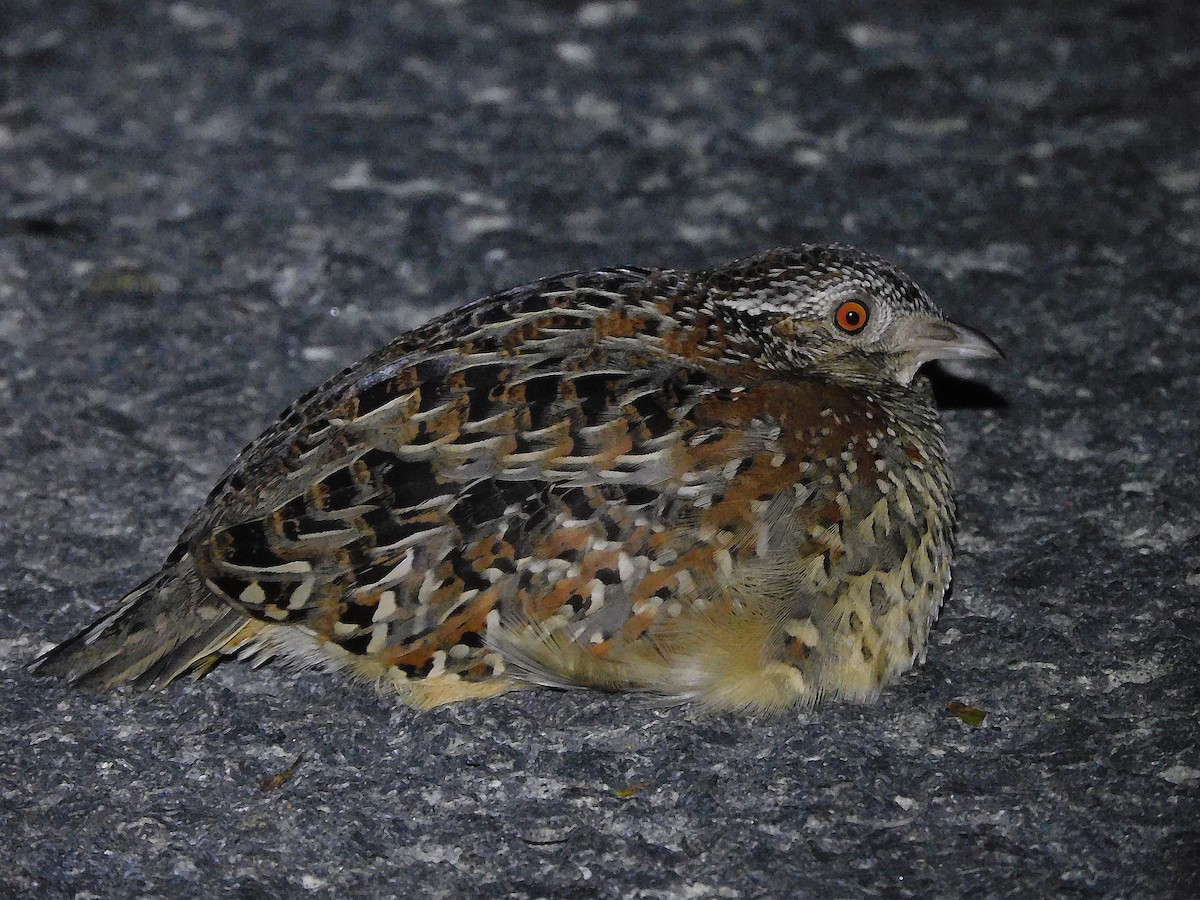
{"x":839,"y":310}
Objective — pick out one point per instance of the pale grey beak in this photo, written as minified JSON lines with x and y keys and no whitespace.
{"x":922,"y":340}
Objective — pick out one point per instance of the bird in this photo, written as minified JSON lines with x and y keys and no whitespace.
{"x":726,"y":487}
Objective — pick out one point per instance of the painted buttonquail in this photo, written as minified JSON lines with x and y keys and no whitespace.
{"x":721,"y":486}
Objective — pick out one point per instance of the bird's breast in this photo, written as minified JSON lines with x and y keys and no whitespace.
{"x":849,"y":521}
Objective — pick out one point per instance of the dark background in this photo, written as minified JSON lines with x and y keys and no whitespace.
{"x":207,"y":206}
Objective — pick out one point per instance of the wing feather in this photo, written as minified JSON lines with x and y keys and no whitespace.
{"x":442,"y":480}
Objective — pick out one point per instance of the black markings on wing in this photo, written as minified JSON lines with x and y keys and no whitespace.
{"x":542,"y":392}
{"x":420,"y":477}
{"x":488,"y":501}
{"x":398,"y":484}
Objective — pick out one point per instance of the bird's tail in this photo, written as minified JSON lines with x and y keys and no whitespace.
{"x":168,"y":625}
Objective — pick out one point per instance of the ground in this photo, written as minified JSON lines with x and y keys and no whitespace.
{"x":206,"y":207}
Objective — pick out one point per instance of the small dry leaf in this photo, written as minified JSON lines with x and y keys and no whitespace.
{"x":123,"y":280}
{"x":279,"y":779}
{"x":971,"y":715}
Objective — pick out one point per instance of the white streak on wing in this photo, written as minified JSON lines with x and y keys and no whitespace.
{"x":662,"y":442}
{"x":687,"y":584}
{"x":387,"y":606}
{"x":301,"y":594}
{"x":387,"y":409}
{"x":640,"y":460}
{"x":550,"y":432}
{"x":429,"y":584}
{"x":456,"y":453}
{"x":491,"y":423}
{"x":336,"y":515}
{"x":519,"y":460}
{"x":420,"y":452}
{"x":398,"y":573}
{"x":431,"y":413}
{"x":379,"y":637}
{"x":724,"y":562}
{"x":636,"y":393}
{"x":762,"y":547}
{"x":252,"y":594}
{"x":326,"y":535}
{"x":475,"y":360}
{"x":599,"y":370}
{"x":419,"y":538}
{"x":576,"y":462}
{"x":439,"y":664}
{"x":600,"y":293}
{"x":517,"y":318}
{"x":459,"y":605}
{"x":639,"y":343}
{"x":592,"y":432}
{"x":596,"y":600}
{"x":700,"y":494}
{"x":298,"y":567}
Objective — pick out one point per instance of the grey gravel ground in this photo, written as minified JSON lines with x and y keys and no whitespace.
{"x":206,"y":207}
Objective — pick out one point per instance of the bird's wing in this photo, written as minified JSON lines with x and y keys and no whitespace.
{"x":501,"y":461}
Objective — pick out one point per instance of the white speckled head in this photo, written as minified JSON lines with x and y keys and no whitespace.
{"x":841,"y":306}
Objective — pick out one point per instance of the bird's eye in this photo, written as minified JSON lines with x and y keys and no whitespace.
{"x":851,"y":316}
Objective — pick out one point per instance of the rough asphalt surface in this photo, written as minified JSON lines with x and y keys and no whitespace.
{"x":206,"y":207}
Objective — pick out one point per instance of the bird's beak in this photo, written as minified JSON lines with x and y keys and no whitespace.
{"x":923,"y":340}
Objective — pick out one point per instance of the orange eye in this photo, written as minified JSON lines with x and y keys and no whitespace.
{"x":851,"y":316}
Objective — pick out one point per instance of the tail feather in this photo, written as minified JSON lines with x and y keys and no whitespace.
{"x":168,"y":625}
